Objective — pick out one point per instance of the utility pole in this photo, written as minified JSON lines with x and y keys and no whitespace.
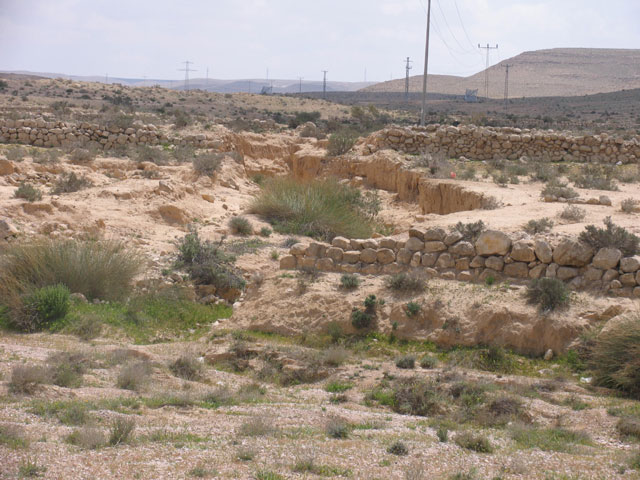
{"x":324,"y":84}
{"x":506,"y":86}
{"x":365,"y":74}
{"x":186,"y":71}
{"x":206,"y":81}
{"x":486,"y":71}
{"x":300,"y":79}
{"x":406,"y":82}
{"x":426,"y":67}
{"x":106,"y":78}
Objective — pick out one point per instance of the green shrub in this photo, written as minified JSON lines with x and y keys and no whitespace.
{"x":320,"y":208}
{"x":407,"y":362}
{"x":538,"y":226}
{"x":550,"y":439}
{"x":304,"y":117}
{"x":337,"y":427}
{"x":66,"y":369}
{"x":573,"y":213}
{"x":556,"y":188}
{"x":266,"y":231}
{"x":398,"y":448}
{"x":597,"y":177}
{"x":44,"y":306}
{"x":207,"y":163}
{"x":615,"y":357}
{"x":547,"y":293}
{"x":186,"y":367}
{"x":70,"y":183}
{"x":476,"y":442}
{"x":349,"y":281}
{"x":629,"y":427}
{"x":612,"y":236}
{"x":416,"y":396}
{"x":208,"y":264}
{"x":470,"y":231}
{"x":121,"y":431}
{"x":240,"y":226}
{"x":12,"y":436}
{"x":29,"y":468}
{"x":28,"y":192}
{"x":428,"y":362}
{"x":360,"y":319}
{"x":412,"y":309}
{"x":341,"y":142}
{"x":97,"y":269}
{"x":443,"y":434}
{"x":406,"y":283}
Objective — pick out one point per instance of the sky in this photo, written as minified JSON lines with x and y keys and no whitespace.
{"x":297,"y":38}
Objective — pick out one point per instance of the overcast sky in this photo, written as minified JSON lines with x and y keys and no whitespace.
{"x":292,"y":38}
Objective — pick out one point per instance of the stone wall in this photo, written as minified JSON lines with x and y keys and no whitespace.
{"x":448,"y":255}
{"x":42,"y":133}
{"x":485,"y":143}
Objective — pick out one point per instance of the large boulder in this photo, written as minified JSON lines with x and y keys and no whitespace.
{"x":630,"y":264}
{"x":607,"y":258}
{"x":543,"y":251}
{"x":492,"y":242}
{"x":522,"y":252}
{"x":572,"y":253}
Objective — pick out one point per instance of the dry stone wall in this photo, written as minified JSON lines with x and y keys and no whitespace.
{"x":485,"y":143}
{"x":438,"y":253}
{"x":42,"y":133}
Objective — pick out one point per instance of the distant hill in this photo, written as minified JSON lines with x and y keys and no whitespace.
{"x":541,"y":73}
{"x":213,"y":85}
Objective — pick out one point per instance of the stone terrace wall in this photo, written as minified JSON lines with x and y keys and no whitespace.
{"x":448,"y":255}
{"x":484,"y":143}
{"x":43,"y":133}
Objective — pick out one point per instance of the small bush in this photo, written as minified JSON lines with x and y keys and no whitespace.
{"x":133,"y":375}
{"x":66,"y":369}
{"x":85,"y":327}
{"x":597,"y":177}
{"x":337,"y":427}
{"x":573,"y":213}
{"x":82,"y":155}
{"x":538,"y":226}
{"x":559,"y":189}
{"x":266,"y":232}
{"x":612,"y":236}
{"x":629,"y":427}
{"x":184,"y":153}
{"x":406,"y":283}
{"x":187,"y":367}
{"x":334,"y":356}
{"x":398,"y":448}
{"x":341,"y":142}
{"x":470,"y":231}
{"x":630,"y":205}
{"x":615,"y":357}
{"x":337,"y":387}
{"x":145,"y":153}
{"x":412,"y":309}
{"x":70,"y":183}
{"x":15,"y":154}
{"x":240,"y":226}
{"x":406,"y":362}
{"x":256,"y":427}
{"x":349,"y":281}
{"x":207,"y":163}
{"x":11,"y":436}
{"x":89,"y":438}
{"x":428,"y":362}
{"x":28,"y":192}
{"x":443,"y":434}
{"x":44,"y":306}
{"x":548,"y":293}
{"x":360,"y":319}
{"x":26,"y":378}
{"x":29,"y":468}
{"x":476,"y":442}
{"x":550,"y":439}
{"x":121,"y":431}
{"x":415,"y":396}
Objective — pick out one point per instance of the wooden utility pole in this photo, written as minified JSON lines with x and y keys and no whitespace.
{"x":426,"y":67}
{"x":506,"y":86}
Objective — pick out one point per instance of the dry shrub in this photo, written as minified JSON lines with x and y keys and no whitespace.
{"x":474,"y":441}
{"x":207,"y":163}
{"x":615,"y":356}
{"x":573,"y":213}
{"x":406,"y":283}
{"x":341,"y":142}
{"x":337,"y":427}
{"x":187,"y":367}
{"x":66,"y":368}
{"x":629,"y":427}
{"x":82,"y":155}
{"x":69,"y":183}
{"x":612,"y":236}
{"x":133,"y":375}
{"x":630,"y":205}
{"x":26,"y":378}
{"x":121,"y":431}
{"x":12,"y":436}
{"x":548,"y":293}
{"x":256,"y":427}
{"x":28,"y":192}
{"x":89,"y":438}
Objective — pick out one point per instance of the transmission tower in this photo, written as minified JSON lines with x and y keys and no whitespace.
{"x":406,"y":82}
{"x":506,"y":86}
{"x":486,"y":71}
{"x":324,"y":84}
{"x":186,"y":71}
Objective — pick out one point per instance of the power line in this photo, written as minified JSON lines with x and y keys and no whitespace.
{"x":486,"y":71}
{"x":186,"y":71}
{"x":455,"y":2}
{"x":464,"y":49}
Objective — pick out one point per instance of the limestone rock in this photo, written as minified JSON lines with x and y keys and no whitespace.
{"x":298,"y":249}
{"x":341,"y":242}
{"x":464,"y":249}
{"x":6,"y":167}
{"x":173,"y":215}
{"x":494,"y":263}
{"x":630,"y":264}
{"x":405,"y":256}
{"x":386,"y":256}
{"x":434,"y":246}
{"x":492,"y":242}
{"x":435,"y":235}
{"x":628,"y":280}
{"x":288,"y":262}
{"x":414,"y":244}
{"x":453,"y":237}
{"x":335,"y":254}
{"x":368,"y":255}
{"x":325,"y":265}
{"x":478,"y":262}
{"x":607,"y":258}
{"x":389,"y":243}
{"x":351,"y":256}
{"x":522,"y":252}
{"x":445,"y":260}
{"x":416,"y":233}
{"x":567,"y":273}
{"x":7,"y":229}
{"x":517,"y":270}
{"x":572,"y":253}
{"x":543,"y":251}
{"x":429,"y":259}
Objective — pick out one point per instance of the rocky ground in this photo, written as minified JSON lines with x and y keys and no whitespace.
{"x":274,"y":385}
